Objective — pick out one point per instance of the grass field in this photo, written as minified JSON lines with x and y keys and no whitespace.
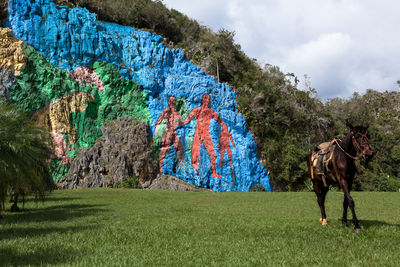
{"x":140,"y":227}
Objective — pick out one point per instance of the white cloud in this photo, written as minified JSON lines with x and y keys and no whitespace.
{"x":344,"y":46}
{"x":325,"y":55}
{"x":326,"y":50}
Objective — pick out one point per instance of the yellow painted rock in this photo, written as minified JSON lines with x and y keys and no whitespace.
{"x":12,"y":55}
{"x":55,"y":116}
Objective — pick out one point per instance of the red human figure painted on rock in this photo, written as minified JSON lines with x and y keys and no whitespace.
{"x":203,"y":115}
{"x":223,"y":145}
{"x":170,"y":137}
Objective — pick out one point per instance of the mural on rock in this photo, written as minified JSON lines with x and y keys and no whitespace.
{"x":223,"y":145}
{"x":170,"y":137}
{"x":81,"y":73}
{"x":203,"y":116}
{"x":55,"y":118}
{"x":84,"y":75}
{"x":11,"y":55}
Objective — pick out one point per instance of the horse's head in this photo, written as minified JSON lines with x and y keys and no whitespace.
{"x":360,"y":138}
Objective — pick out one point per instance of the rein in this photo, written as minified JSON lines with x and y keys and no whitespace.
{"x":347,"y":154}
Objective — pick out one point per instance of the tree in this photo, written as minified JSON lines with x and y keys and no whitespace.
{"x":24,"y":153}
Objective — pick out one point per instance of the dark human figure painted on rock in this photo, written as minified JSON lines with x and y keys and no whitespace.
{"x":170,"y":137}
{"x":223,"y":145}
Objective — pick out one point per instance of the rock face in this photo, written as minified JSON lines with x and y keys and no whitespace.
{"x":12,"y":60}
{"x":124,"y":150}
{"x":11,"y":54}
{"x":84,"y":75}
{"x":55,"y":119}
{"x":7,"y":80}
{"x":168,"y":182}
{"x":55,"y":116}
{"x":199,"y":135}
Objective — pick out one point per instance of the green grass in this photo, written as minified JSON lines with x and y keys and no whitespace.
{"x":140,"y":227}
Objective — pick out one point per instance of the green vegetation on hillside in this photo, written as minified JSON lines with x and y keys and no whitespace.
{"x":130,"y":227}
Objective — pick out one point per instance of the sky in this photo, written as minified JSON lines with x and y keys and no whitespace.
{"x":343,"y":46}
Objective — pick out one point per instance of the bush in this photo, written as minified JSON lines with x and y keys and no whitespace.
{"x":386,"y":182}
{"x":128,"y":182}
{"x":257,"y":188}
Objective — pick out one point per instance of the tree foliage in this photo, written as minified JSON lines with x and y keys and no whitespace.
{"x":24,"y":153}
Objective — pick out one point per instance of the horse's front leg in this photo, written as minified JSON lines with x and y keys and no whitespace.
{"x":351,"y":204}
{"x":345,"y":206}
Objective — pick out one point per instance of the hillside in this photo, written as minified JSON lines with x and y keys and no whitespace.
{"x":285,"y":122}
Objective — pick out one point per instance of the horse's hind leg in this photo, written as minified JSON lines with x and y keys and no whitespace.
{"x":320,"y":190}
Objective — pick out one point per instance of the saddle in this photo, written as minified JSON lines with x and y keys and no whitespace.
{"x":321,"y":160}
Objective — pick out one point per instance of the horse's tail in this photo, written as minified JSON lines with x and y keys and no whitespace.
{"x":309,"y":165}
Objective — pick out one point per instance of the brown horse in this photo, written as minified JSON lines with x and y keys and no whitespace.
{"x":338,"y":167}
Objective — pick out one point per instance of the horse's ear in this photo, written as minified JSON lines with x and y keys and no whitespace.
{"x":348,"y":124}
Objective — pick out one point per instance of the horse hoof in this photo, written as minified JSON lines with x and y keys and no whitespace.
{"x":320,"y":220}
{"x":357,"y":230}
{"x":324,"y":222}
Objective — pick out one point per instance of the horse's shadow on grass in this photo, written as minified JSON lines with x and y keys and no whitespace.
{"x":371,"y":223}
{"x":16,"y":226}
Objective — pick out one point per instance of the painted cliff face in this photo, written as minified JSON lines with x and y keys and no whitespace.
{"x":11,"y":52}
{"x":130,"y":73}
{"x":55,"y":118}
{"x":203,"y":116}
{"x":84,"y":75}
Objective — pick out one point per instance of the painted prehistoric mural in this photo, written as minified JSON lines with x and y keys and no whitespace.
{"x":203,"y":116}
{"x":80,"y":73}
